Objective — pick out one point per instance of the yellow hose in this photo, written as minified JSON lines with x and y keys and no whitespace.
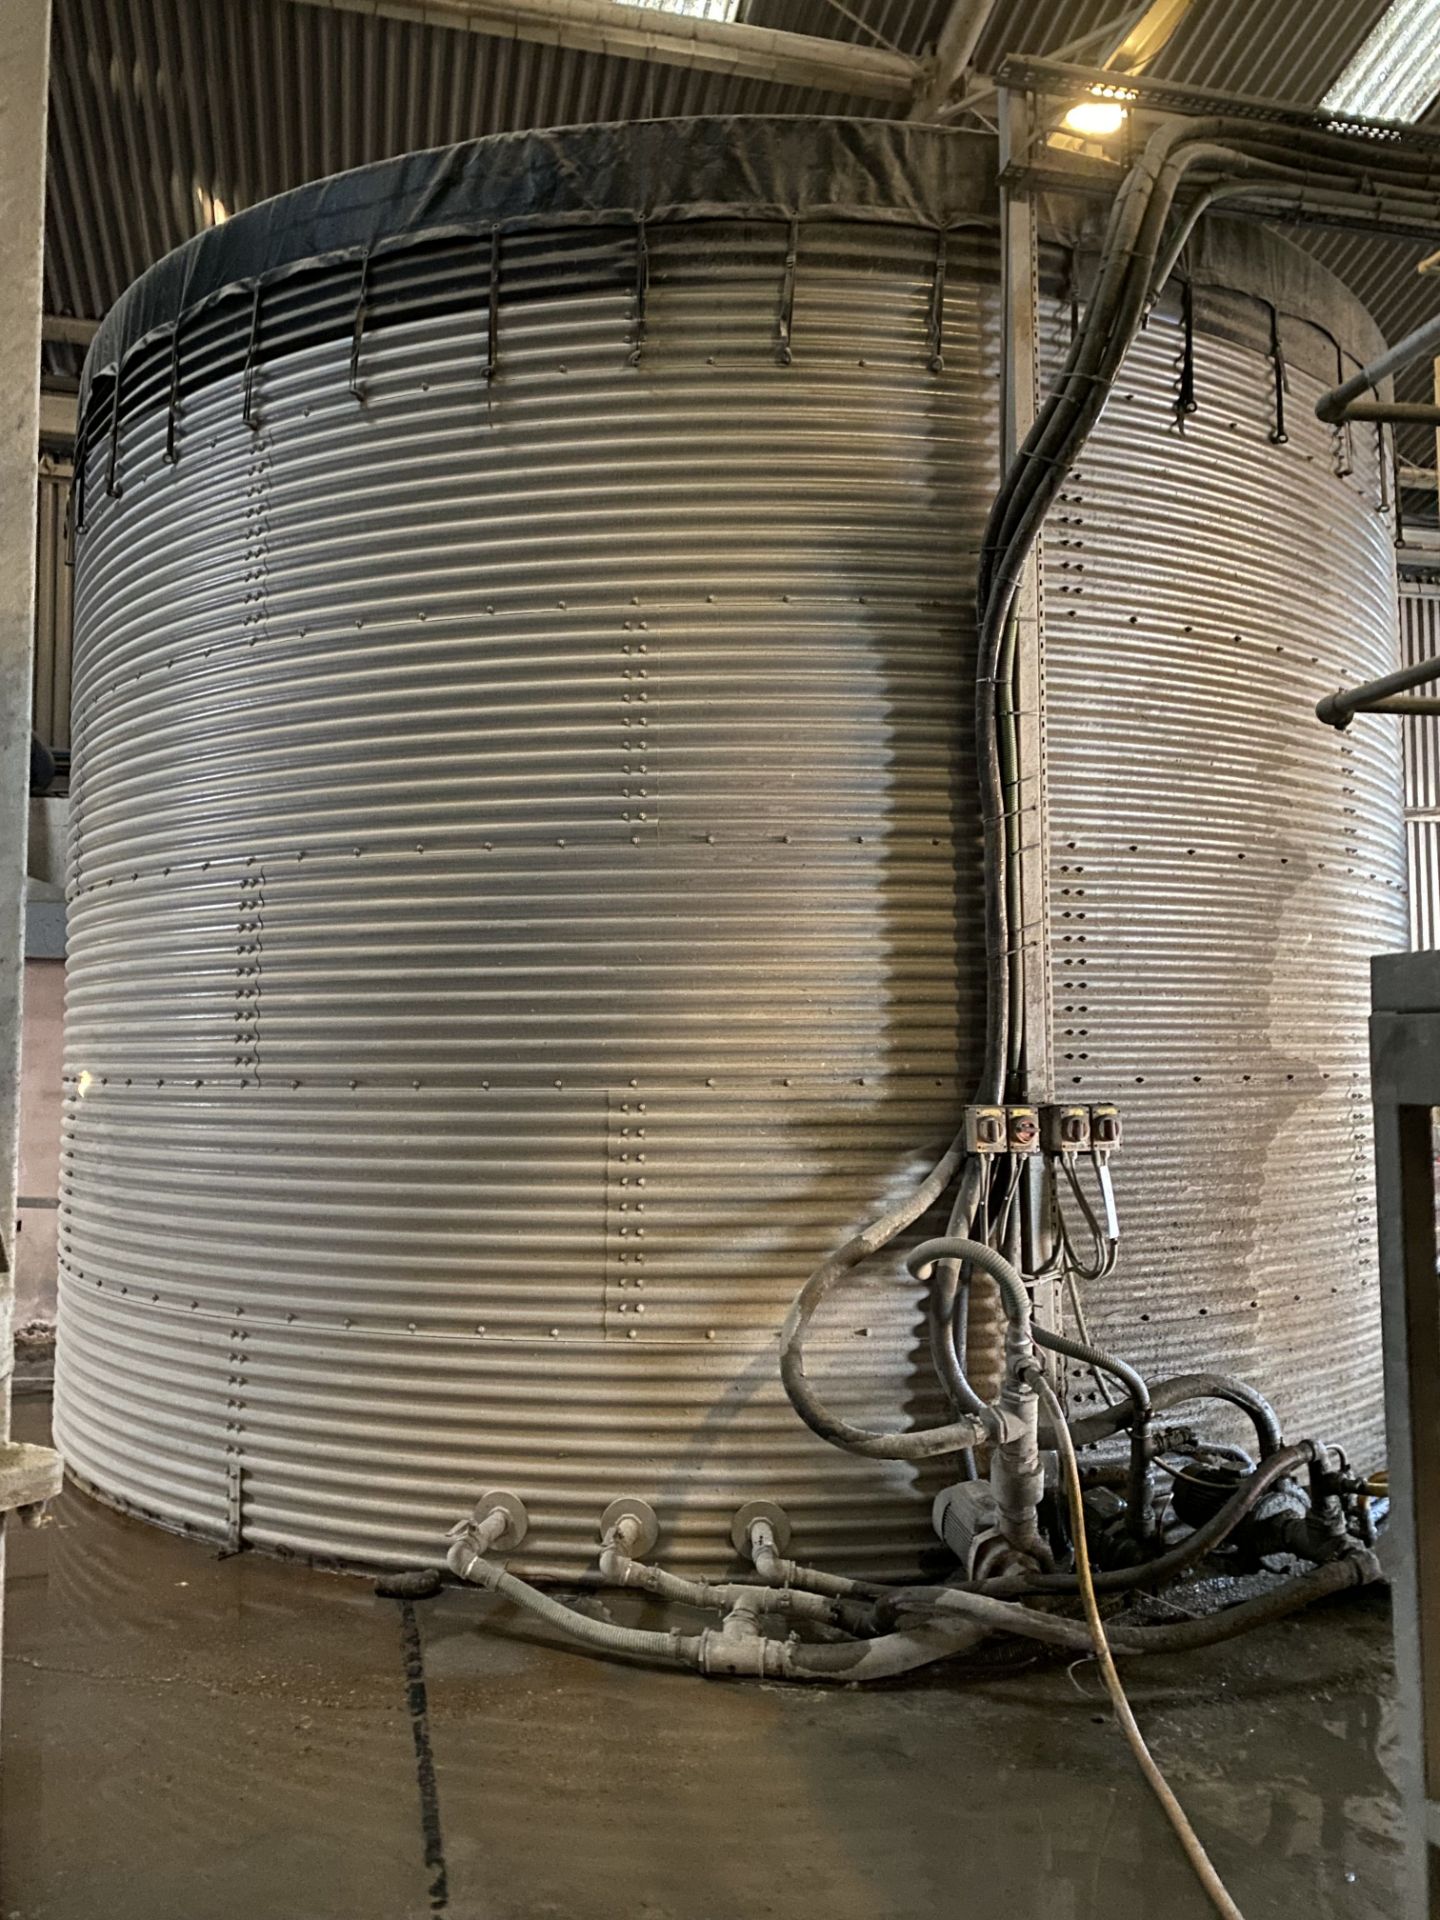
{"x":1159,"y":1785}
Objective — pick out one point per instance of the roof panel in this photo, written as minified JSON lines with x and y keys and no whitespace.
{"x":168,"y":112}
{"x":1281,"y":50}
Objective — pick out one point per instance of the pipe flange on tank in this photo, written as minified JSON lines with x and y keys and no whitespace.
{"x":642,"y":1513}
{"x":754,"y":1510}
{"x":517,"y":1520}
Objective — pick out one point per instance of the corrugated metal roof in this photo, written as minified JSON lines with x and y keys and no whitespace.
{"x":1281,"y":50}
{"x":165,"y":110}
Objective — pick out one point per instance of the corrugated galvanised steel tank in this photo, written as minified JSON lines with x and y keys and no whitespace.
{"x":526,"y":885}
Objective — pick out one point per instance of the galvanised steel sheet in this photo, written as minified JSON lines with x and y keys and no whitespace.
{"x":526,"y":891}
{"x":1222,"y":866}
{"x":515,"y":926}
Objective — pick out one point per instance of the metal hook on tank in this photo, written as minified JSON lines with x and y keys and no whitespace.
{"x":357,"y":333}
{"x":785,"y":323}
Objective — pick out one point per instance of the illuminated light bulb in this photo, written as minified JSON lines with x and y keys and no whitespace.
{"x":1097,"y":118}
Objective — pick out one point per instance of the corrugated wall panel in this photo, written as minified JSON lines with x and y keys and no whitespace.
{"x":51,"y":690}
{"x":1420,"y":640}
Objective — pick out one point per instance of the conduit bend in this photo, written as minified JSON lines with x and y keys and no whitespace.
{"x":994,"y":1424}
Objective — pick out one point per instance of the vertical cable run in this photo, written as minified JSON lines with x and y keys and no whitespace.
{"x":1344,"y":442}
{"x":492,"y":319}
{"x":172,"y":403}
{"x":1278,"y":435}
{"x":81,"y":460}
{"x":1185,"y":401}
{"x":112,"y":465}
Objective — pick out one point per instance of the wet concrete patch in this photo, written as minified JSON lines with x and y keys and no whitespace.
{"x":194,"y":1738}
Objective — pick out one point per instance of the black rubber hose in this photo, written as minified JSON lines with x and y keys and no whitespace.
{"x":1216,"y":1530}
{"x":1138,"y":1490}
{"x":1176,"y":1392}
{"x":1182,"y":1636}
{"x":1227,"y":1623}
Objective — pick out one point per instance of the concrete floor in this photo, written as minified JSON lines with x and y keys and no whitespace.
{"x":196,"y":1738}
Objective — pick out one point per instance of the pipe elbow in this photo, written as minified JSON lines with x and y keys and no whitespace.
{"x":463,"y":1560}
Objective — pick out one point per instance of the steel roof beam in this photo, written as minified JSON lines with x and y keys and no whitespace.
{"x":961,"y":34}
{"x":65,"y":329}
{"x":670,"y":39}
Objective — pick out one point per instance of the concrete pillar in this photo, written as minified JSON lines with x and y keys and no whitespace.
{"x":24,"y":86}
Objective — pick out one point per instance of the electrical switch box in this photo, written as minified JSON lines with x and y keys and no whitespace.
{"x":985,"y":1130}
{"x":1065,"y":1129}
{"x":1105,"y":1128}
{"x":1022,"y":1127}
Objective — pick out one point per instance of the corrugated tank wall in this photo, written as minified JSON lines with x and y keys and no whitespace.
{"x":525,"y":900}
{"x":1222,"y":866}
{"x":518,"y":834}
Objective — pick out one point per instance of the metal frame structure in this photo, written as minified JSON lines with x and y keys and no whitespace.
{"x":1405,"y":1086}
{"x":1148,"y":102}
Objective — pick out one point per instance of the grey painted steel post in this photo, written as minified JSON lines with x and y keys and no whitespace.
{"x":24,"y":78}
{"x":1405,"y":1087}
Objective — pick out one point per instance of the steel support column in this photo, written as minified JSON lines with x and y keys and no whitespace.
{"x":24,"y":80}
{"x":1405,"y":1087}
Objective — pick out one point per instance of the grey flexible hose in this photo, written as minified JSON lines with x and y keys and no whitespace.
{"x":1093,"y":1357}
{"x":1227,"y":1623}
{"x":975,"y":1253}
{"x":925,"y":1443}
{"x":671,"y":1647}
{"x":883,"y":1659}
{"x":729,"y":1653}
